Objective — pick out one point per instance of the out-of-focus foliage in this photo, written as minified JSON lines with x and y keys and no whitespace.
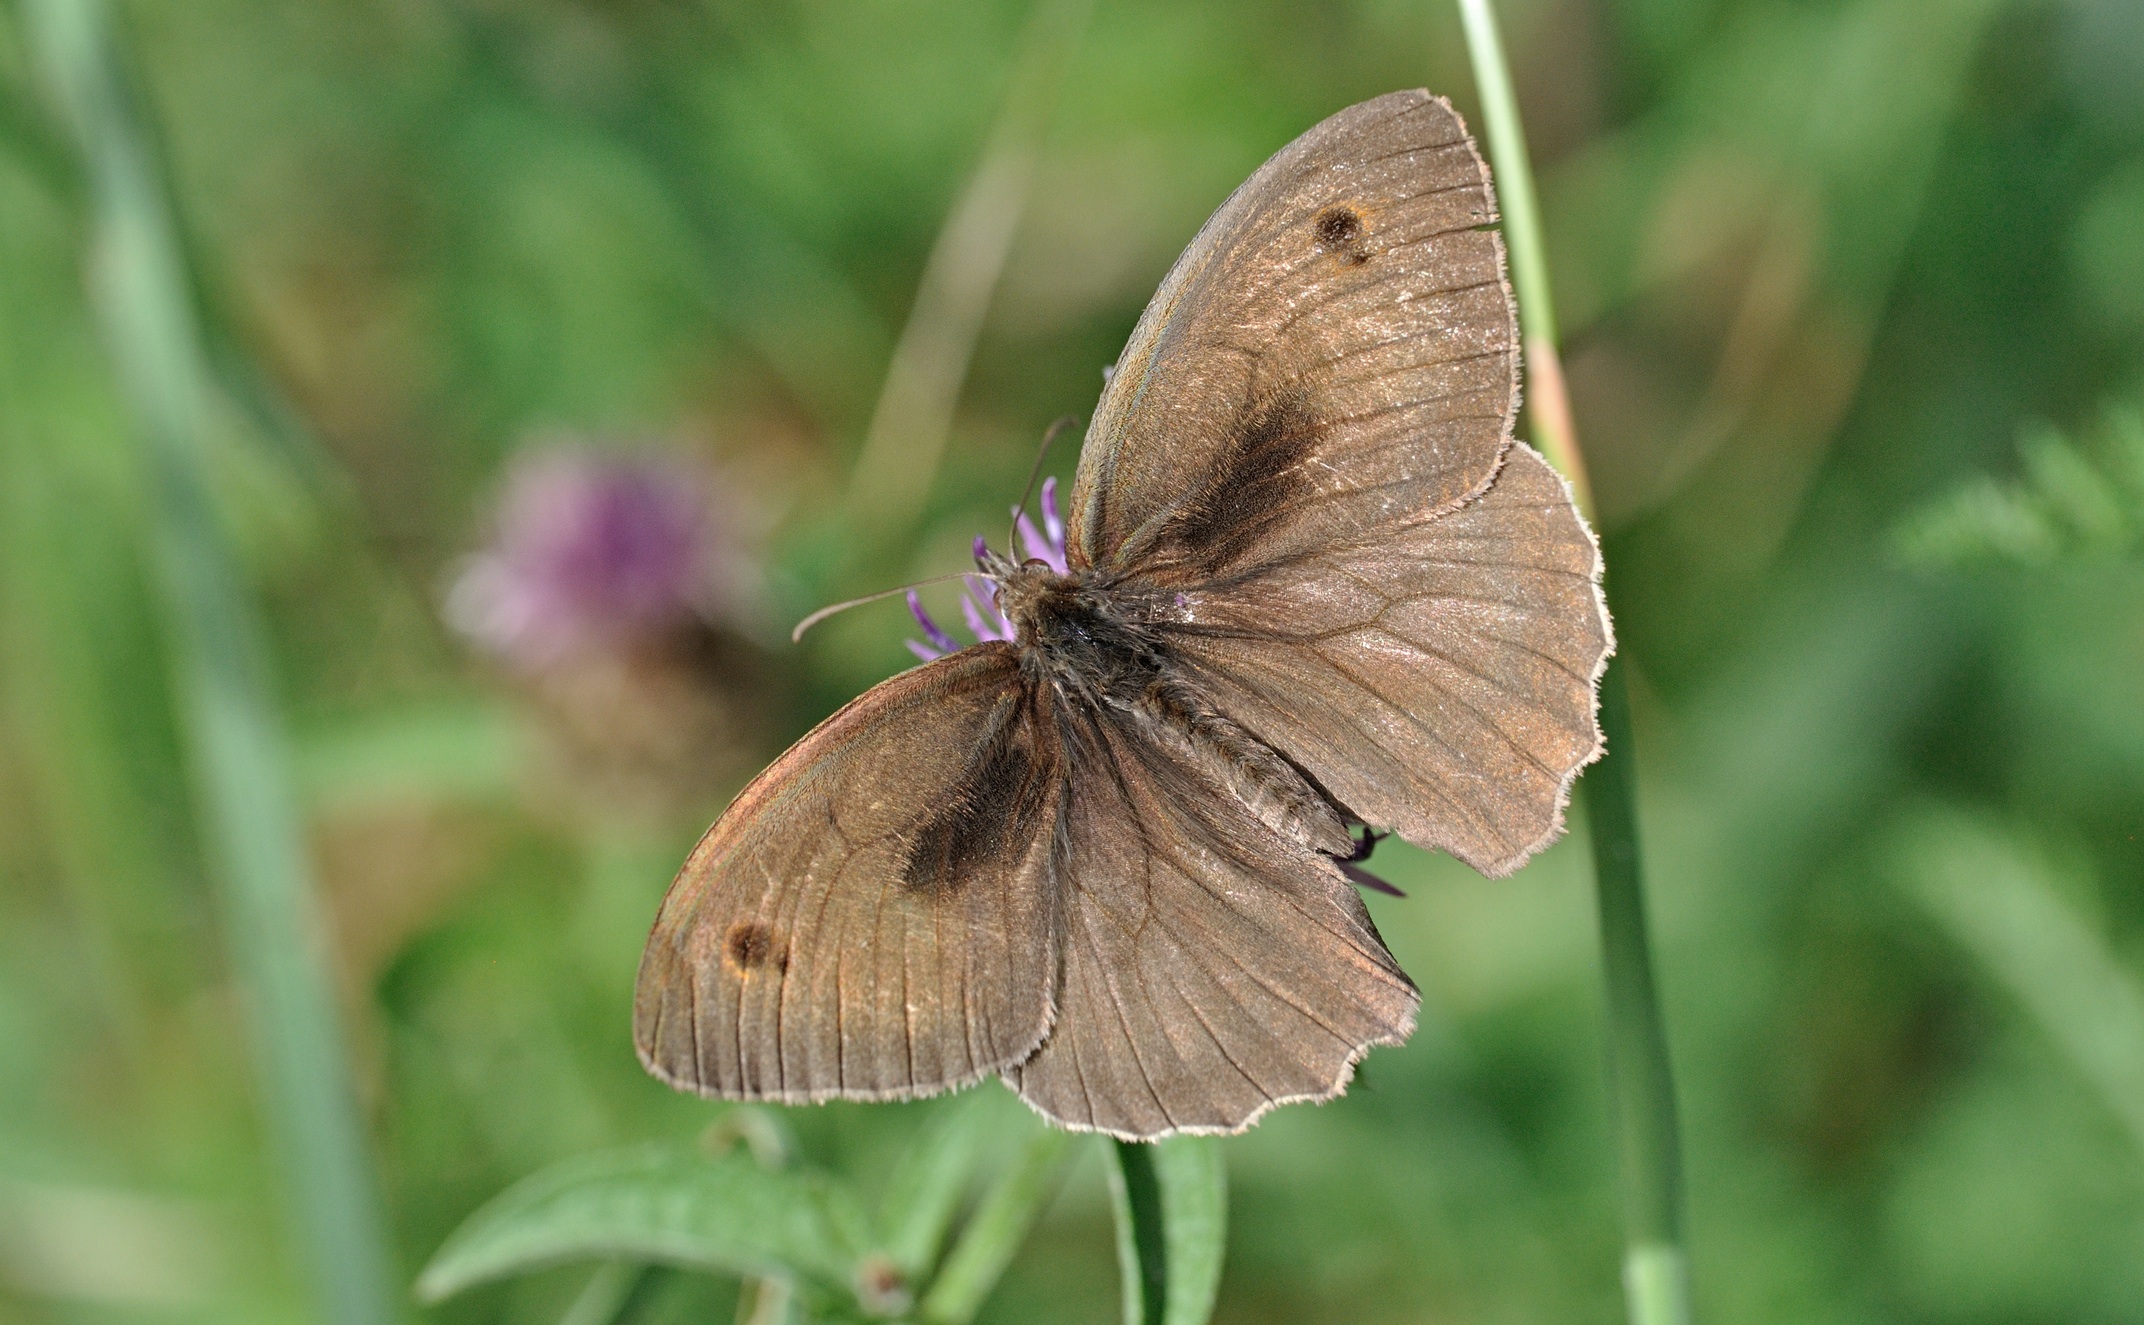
{"x":2066,"y":502}
{"x":1818,"y":265}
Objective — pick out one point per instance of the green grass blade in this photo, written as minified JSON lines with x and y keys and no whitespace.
{"x":243,"y":788}
{"x":1640,"y":1080}
{"x":1142,"y":1252}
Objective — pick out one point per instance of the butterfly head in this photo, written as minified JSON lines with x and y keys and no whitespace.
{"x":1004,"y":588}
{"x":1023,"y":591}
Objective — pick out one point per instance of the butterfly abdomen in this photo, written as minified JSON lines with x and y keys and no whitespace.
{"x":1244,"y":766}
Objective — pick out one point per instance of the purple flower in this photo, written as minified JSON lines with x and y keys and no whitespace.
{"x":978,"y":600}
{"x":591,"y":550}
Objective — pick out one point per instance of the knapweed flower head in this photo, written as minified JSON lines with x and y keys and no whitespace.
{"x":978,"y":600}
{"x":591,"y":550}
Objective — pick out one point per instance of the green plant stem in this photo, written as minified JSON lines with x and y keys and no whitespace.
{"x":1640,"y":1080}
{"x":243,"y":790}
{"x":1514,"y":173}
{"x":1142,"y":1248}
{"x":1000,"y":1225}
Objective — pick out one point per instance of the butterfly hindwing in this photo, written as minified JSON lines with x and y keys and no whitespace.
{"x":1211,"y":969}
{"x":1439,"y":679}
{"x":872,"y":918}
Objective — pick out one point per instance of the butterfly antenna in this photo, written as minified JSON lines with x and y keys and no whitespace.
{"x":1034,"y":471}
{"x":823,"y":613}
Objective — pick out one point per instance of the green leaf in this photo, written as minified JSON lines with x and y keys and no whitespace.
{"x":658,"y":1204}
{"x":1171,"y":1203}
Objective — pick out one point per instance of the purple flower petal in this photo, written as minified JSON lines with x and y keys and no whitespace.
{"x":978,"y":601}
{"x":1038,"y":547}
{"x":943,"y":642}
{"x":986,"y":623}
{"x":986,"y":596}
{"x":1052,"y":521}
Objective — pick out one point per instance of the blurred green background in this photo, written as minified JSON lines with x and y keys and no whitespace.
{"x":1853,"y":296}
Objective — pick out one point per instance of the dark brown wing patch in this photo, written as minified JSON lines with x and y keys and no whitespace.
{"x":1245,"y":487}
{"x":997,"y":806}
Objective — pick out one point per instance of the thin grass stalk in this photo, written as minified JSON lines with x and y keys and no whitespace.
{"x":1000,"y":1224}
{"x":906,"y":441}
{"x":1641,"y":1083}
{"x":243,"y":790}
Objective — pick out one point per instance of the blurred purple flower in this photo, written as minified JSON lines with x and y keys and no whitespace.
{"x":591,"y":550}
{"x":978,"y":600}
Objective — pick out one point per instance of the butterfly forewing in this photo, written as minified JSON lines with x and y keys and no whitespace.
{"x":1211,"y":969}
{"x":873,"y":917}
{"x":1335,"y":350}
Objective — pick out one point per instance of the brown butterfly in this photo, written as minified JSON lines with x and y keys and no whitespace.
{"x":1310,"y":582}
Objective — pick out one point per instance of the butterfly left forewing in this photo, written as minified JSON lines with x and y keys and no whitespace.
{"x":1211,"y":968}
{"x":873,"y":917}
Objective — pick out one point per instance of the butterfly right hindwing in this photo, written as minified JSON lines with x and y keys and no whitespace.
{"x":1212,"y":970}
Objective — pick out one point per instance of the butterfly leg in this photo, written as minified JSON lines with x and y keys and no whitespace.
{"x":1360,"y":877}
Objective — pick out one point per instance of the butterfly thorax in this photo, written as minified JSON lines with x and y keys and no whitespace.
{"x":1076,"y":632}
{"x":1090,"y":641}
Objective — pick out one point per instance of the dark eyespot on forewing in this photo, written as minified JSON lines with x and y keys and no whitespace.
{"x":750,"y":945}
{"x":1336,"y":226}
{"x":1251,"y":482}
{"x":993,"y":809}
{"x":1340,"y":228}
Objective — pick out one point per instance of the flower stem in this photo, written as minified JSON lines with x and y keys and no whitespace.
{"x":139,"y":293}
{"x":1640,"y":1082}
{"x":1142,"y":1245}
